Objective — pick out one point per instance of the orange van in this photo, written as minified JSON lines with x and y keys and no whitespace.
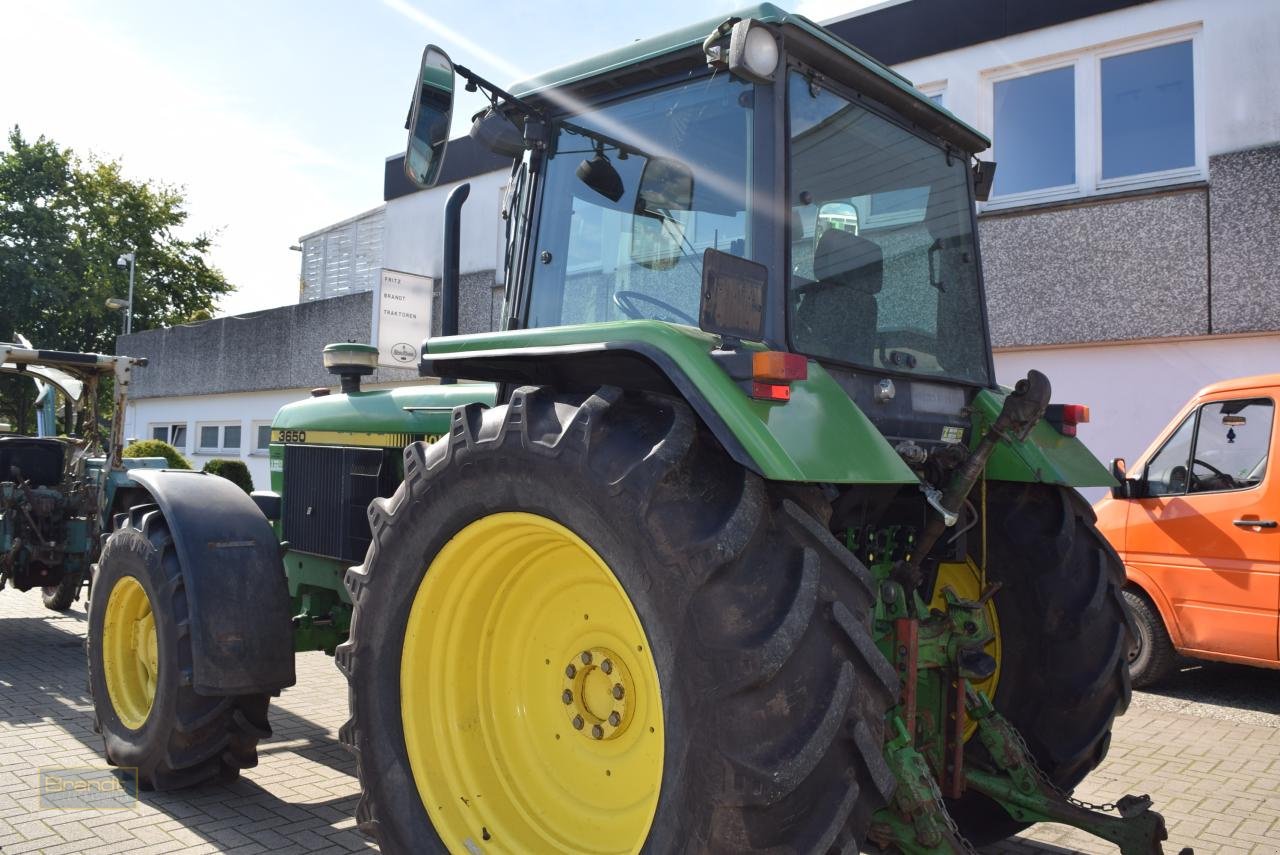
{"x":1195,"y":522}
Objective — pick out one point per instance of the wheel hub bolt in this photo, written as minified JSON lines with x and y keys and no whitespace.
{"x":606,"y":666}
{"x":597,"y":732}
{"x":586,"y":657}
{"x":614,"y":719}
{"x":618,"y":691}
{"x":578,"y":722}
{"x":567,"y":697}
{"x":570,"y":671}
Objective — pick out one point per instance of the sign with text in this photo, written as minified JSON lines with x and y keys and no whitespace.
{"x":401,"y":317}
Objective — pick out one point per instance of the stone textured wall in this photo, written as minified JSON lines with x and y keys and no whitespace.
{"x":280,"y":348}
{"x":1244,"y":224}
{"x":1195,"y":261}
{"x":1126,"y":269}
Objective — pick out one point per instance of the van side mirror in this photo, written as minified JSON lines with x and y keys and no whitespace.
{"x":1127,"y":488}
{"x":430,"y":113}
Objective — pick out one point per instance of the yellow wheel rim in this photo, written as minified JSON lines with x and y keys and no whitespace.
{"x":529,"y":697}
{"x":966,"y":581}
{"x":130,"y":656}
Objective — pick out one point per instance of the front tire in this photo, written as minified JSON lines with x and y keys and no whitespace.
{"x":1152,"y":657}
{"x":1065,"y":636}
{"x":551,"y":528}
{"x":140,"y":668}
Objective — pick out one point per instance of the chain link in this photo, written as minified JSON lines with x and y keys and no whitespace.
{"x":1044,"y":778}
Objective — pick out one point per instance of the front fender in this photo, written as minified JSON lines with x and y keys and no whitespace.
{"x":1148,"y":586}
{"x":237,"y":597}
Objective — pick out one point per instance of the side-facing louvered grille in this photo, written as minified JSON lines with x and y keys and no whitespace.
{"x":326,"y":492}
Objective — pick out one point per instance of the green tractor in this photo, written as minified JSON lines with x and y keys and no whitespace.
{"x":729,"y":543}
{"x":58,"y":491}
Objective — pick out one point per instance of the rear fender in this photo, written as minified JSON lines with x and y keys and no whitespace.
{"x":237,"y":596}
{"x":819,"y":435}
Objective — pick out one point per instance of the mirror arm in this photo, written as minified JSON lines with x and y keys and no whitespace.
{"x":494,"y":92}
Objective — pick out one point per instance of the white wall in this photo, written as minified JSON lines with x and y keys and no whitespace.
{"x":1239,"y":57}
{"x":1133,"y":390}
{"x":413,"y":232}
{"x":247,"y":408}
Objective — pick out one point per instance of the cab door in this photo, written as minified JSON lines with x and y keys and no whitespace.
{"x":1206,"y":528}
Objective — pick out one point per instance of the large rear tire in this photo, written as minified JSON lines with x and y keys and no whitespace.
{"x":140,"y":668}
{"x":538,"y":537}
{"x":1065,"y":636}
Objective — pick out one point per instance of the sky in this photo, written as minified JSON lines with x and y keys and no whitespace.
{"x":277,"y":116}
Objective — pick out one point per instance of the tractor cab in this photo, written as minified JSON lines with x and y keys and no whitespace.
{"x":757,"y":179}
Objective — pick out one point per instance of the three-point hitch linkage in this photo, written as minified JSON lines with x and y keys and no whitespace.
{"x":940,"y":653}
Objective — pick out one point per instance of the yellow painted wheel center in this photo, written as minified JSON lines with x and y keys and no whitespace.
{"x":130,"y":655}
{"x":530,"y":700}
{"x":965,"y":579}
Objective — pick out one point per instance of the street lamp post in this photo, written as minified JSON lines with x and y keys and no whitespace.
{"x":129,"y":259}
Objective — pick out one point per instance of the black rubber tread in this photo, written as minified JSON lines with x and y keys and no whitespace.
{"x":1065,"y":634}
{"x":188,"y":738}
{"x":59,"y":597}
{"x":759,"y":620}
{"x":1155,"y":657}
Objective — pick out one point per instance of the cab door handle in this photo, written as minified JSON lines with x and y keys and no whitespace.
{"x":1253,"y":523}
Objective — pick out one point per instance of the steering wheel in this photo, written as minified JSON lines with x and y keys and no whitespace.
{"x":1224,"y":481}
{"x":626,"y":301}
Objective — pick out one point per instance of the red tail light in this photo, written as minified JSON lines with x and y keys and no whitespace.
{"x":1065,"y":417}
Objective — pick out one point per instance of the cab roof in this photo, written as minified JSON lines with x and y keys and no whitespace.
{"x":1242,"y":384}
{"x":694,"y":34}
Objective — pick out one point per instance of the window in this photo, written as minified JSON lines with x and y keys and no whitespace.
{"x":216,"y":438}
{"x":173,"y":433}
{"x":1123,"y":116}
{"x":1229,"y":451}
{"x":261,"y":437}
{"x":1035,"y":124}
{"x":1148,"y":111}
{"x":623,"y":236}
{"x":884,"y":271}
{"x":1167,"y":471}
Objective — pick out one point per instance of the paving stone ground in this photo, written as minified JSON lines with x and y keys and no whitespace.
{"x":1207,"y":749}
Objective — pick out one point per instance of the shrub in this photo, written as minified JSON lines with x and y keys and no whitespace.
{"x":233,"y":470}
{"x":157,"y":448}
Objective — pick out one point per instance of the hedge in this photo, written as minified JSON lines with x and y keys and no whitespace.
{"x":157,"y":448}
{"x":233,"y":470}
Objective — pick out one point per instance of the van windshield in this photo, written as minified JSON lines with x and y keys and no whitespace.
{"x":884,"y":263}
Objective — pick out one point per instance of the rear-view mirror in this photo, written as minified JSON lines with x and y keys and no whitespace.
{"x":1124,"y":488}
{"x":429,"y":116}
{"x":657,"y":235}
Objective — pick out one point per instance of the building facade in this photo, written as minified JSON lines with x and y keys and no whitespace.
{"x":1128,"y":245}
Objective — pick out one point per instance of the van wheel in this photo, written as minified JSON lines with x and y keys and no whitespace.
{"x":1151,"y":657}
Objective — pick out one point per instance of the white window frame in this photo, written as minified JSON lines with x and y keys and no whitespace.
{"x":936,"y":87}
{"x":168,"y":429}
{"x":220,"y":448}
{"x":1087,"y":65}
{"x":254,"y":450}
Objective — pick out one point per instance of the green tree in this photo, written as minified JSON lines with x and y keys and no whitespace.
{"x":63,"y":223}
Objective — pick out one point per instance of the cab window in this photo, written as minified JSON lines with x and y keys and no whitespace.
{"x":1221,"y":446}
{"x":1232,"y":440}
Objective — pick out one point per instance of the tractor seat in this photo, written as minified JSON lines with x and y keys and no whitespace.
{"x":837,"y":313}
{"x":41,"y":460}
